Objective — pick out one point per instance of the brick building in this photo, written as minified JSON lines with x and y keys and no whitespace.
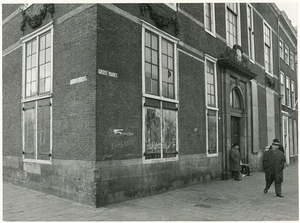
{"x":108,"y":102}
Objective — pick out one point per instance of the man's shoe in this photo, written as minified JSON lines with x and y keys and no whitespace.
{"x":279,"y":195}
{"x":237,"y":179}
{"x":265,"y":191}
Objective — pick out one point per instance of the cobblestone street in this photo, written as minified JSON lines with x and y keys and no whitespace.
{"x":218,"y":200}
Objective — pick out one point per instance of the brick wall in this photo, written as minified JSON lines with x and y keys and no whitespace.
{"x":74,"y":105}
{"x":119,"y":100}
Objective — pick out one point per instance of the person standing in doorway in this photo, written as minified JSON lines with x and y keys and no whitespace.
{"x":235,"y":159}
{"x":273,"y":165}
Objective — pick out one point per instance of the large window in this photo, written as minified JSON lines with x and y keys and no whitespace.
{"x":291,"y":60}
{"x":37,"y":98}
{"x":286,"y":54}
{"x":209,"y":19}
{"x":281,"y":49}
{"x":232,"y":24}
{"x":250,"y":32}
{"x":268,"y":48}
{"x":212,"y":106}
{"x":282,"y":87}
{"x":210,"y":84}
{"x":160,"y":99}
{"x":293,"y":94}
{"x":288,"y":92}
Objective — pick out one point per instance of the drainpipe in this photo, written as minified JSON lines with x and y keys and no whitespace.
{"x":279,"y":86}
{"x":224,"y":127}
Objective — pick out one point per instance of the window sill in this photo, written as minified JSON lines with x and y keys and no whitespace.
{"x":213,"y":155}
{"x":270,"y":74}
{"x":164,"y":160}
{"x":37,"y":161}
{"x":161,"y":98}
{"x":211,"y":33}
{"x":49,"y":95}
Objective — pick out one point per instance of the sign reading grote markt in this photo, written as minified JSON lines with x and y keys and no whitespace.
{"x":107,"y":73}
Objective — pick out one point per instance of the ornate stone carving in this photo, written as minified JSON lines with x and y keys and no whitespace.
{"x":160,"y":20}
{"x":270,"y":82}
{"x":234,"y":59}
{"x":36,"y":20}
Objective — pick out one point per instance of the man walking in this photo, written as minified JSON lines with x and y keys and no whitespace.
{"x":280,"y":147}
{"x":273,"y":164}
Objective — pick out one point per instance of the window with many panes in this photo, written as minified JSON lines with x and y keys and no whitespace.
{"x":288,"y":92}
{"x":292,"y":60}
{"x":282,"y":87}
{"x":232,"y":24}
{"x":286,"y":54}
{"x":281,"y":49}
{"x":250,"y":32}
{"x":160,"y":98}
{"x":293,"y":94}
{"x":37,"y":98}
{"x":211,"y":106}
{"x":209,"y":19}
{"x":268,"y":49}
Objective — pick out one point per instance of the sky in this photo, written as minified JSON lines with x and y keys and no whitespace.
{"x":291,"y":9}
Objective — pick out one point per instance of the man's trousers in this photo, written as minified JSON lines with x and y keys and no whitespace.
{"x":277,"y":185}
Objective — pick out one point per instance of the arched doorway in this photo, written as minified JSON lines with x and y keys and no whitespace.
{"x":237,"y":118}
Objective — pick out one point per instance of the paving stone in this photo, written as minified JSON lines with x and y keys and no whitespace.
{"x":215,"y":201}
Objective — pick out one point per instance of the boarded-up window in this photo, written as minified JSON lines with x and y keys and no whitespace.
{"x":212,"y":131}
{"x":153,"y":133}
{"x":169,"y":133}
{"x":37,"y":124}
{"x":29,"y":130}
{"x":43,"y":129}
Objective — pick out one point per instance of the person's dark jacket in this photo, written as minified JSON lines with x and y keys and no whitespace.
{"x":273,"y":163}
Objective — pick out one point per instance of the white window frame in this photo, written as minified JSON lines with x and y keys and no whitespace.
{"x":173,"y":6}
{"x":238,"y":24}
{"x":48,"y":27}
{"x":251,"y":34}
{"x":271,"y":49}
{"x":288,"y":92}
{"x":282,"y":87}
{"x":216,"y":109}
{"x":281,"y":49}
{"x":213,"y":19}
{"x":160,"y":34}
{"x":293,"y":94}
{"x":292,"y":60}
{"x":287,"y":55}
{"x":25,"y":6}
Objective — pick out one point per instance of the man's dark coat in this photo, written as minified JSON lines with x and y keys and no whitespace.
{"x":234,"y":158}
{"x":273,"y":162}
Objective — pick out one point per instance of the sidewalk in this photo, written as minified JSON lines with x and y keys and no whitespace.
{"x":219,"y":200}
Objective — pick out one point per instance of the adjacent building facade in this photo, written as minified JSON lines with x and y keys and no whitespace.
{"x":108,"y":102}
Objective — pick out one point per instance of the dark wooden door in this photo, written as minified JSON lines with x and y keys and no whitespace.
{"x":235,"y":130}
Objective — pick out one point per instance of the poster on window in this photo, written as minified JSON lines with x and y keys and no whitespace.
{"x":153,"y":133}
{"x":169,"y":133}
